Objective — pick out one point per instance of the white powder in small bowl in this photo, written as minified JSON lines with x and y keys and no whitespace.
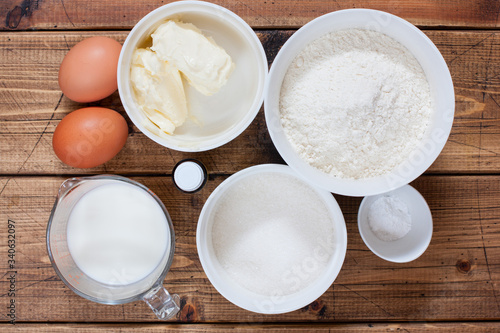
{"x":389,"y":218}
{"x":272,"y":233}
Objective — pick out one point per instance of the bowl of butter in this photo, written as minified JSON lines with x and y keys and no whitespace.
{"x":191,"y":75}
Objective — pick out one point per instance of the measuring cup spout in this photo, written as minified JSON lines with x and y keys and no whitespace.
{"x":67,"y":185}
{"x":164,"y":305}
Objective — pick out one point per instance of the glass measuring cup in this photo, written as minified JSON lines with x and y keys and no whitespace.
{"x":149,"y":288}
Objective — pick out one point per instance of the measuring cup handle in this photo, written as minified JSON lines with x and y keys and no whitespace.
{"x":164,"y":305}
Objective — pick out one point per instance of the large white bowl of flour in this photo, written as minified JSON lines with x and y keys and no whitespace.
{"x":359,"y":102}
{"x":268,"y":241}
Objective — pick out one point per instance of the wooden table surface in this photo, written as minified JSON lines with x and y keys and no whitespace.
{"x":454,"y":286}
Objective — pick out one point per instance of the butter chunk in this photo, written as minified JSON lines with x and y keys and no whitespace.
{"x":205,"y":65}
{"x":158,"y":90}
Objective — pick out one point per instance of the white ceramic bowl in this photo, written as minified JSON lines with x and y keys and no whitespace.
{"x":436,"y":71}
{"x":414,"y":243}
{"x":245,"y":298}
{"x":224,"y":115}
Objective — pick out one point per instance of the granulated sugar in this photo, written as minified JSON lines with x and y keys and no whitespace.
{"x":272,"y":234}
{"x":355,"y":103}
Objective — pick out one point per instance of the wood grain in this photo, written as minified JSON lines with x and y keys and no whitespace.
{"x":455,"y":327}
{"x":31,"y":106}
{"x":453,"y":287}
{"x":114,"y":14}
{"x":456,"y":279}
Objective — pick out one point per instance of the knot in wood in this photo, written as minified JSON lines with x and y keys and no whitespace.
{"x":188,"y":313}
{"x":463,"y":266}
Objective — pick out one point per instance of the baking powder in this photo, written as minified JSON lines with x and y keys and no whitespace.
{"x":389,"y":218}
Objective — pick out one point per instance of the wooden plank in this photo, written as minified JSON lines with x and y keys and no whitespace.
{"x":83,"y":14}
{"x":31,"y":106}
{"x":456,"y":327}
{"x":457,"y":278}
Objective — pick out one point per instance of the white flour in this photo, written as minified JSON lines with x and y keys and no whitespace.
{"x":355,"y":103}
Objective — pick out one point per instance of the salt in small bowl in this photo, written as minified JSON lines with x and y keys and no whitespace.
{"x":415,"y":242}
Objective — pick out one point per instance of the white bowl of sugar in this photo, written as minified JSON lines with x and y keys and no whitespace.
{"x":359,"y":102}
{"x":268,"y":241}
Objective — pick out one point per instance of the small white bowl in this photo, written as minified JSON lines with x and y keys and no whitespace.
{"x":414,"y":243}
{"x":436,"y":71}
{"x":245,"y":298}
{"x":224,"y":115}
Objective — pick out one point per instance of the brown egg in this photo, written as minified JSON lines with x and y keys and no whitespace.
{"x":90,"y":136}
{"x":88,"y":71}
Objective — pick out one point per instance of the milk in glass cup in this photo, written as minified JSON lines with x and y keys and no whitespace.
{"x":111,"y":241}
